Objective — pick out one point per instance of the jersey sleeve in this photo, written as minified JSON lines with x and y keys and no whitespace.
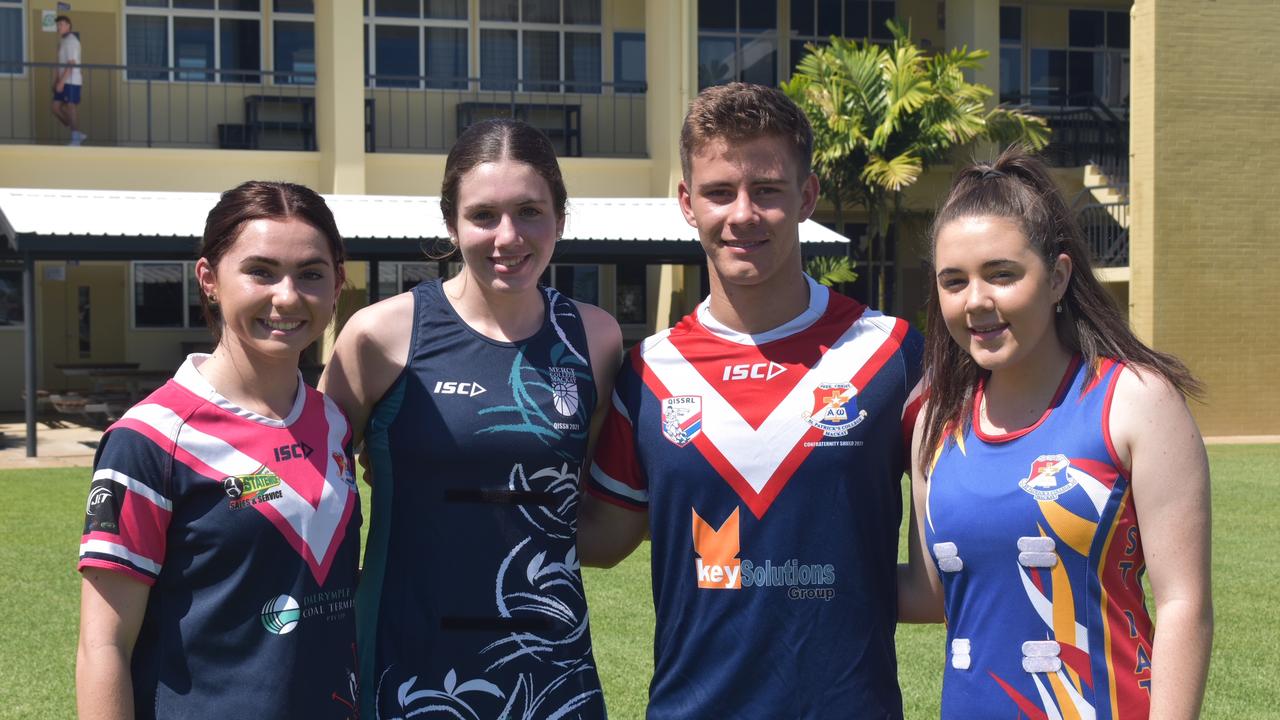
{"x":128,"y":511}
{"x":616,"y":476}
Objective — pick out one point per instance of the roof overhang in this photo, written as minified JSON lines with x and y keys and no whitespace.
{"x":124,"y":225}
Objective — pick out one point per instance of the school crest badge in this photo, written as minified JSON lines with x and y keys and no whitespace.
{"x":835,"y":409}
{"x":682,"y":418}
{"x":1048,"y":478}
{"x":564,"y":390}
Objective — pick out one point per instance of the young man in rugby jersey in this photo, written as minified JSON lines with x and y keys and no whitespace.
{"x":760,"y":443}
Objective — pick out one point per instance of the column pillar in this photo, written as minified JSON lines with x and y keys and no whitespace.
{"x":340,"y":96}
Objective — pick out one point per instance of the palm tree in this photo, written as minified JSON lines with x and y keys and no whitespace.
{"x":882,"y":115}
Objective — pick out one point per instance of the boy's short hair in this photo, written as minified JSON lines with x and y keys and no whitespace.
{"x":62,"y":18}
{"x":743,"y":111}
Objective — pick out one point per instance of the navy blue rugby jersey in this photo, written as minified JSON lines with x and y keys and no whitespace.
{"x":771,"y":466}
{"x":471,"y":603}
{"x":247,"y":529}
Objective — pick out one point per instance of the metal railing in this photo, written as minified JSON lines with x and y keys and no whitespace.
{"x":412,"y":113}
{"x":156,"y":106}
{"x":1086,"y":131}
{"x":1106,"y":232}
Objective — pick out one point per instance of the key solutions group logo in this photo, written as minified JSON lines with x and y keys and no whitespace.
{"x":719,"y":567}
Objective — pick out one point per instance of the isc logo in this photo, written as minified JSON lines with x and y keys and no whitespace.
{"x":758,"y":371}
{"x":470,"y":389}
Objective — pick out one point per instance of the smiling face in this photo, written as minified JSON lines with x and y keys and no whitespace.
{"x":506,"y":227}
{"x":995,"y":292}
{"x":276,"y":288}
{"x":747,"y":200}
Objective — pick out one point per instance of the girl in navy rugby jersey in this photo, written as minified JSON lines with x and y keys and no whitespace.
{"x":1055,"y":462}
{"x":222,"y":525}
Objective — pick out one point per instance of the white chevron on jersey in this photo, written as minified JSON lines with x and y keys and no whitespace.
{"x":316,"y":526}
{"x":757,"y":454}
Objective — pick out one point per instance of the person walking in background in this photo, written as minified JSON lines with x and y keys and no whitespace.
{"x":1056,"y":462}
{"x":68,"y":80}
{"x":222,"y":528}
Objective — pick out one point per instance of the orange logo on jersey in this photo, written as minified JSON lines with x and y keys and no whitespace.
{"x":718,"y":565}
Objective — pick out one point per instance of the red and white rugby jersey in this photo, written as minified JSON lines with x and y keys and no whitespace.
{"x":247,"y":529}
{"x":771,"y":466}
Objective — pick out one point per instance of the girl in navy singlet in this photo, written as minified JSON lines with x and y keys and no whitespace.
{"x":475,"y":397}
{"x":1055,"y":463}
{"x":222,"y":528}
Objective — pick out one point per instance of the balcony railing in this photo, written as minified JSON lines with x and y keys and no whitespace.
{"x":1087,"y":131}
{"x":1106,"y":232}
{"x":426,"y":113}
{"x":153,"y":106}
{"x":156,"y":106}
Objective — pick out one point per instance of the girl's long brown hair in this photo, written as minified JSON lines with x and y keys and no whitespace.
{"x":1018,"y":187}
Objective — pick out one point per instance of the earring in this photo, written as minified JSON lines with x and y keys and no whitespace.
{"x":213,"y":300}
{"x":1058,"y":307}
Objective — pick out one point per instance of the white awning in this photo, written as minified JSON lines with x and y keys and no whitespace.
{"x":99,"y":213}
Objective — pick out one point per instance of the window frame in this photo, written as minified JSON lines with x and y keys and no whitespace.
{"x":792,"y":37}
{"x":737,"y":35}
{"x":21,"y":7}
{"x":371,"y":23}
{"x":188,"y":282}
{"x":520,"y":26}
{"x":170,"y":13}
{"x":22,"y":319}
{"x":281,"y":76}
{"x":552,"y":269}
{"x":1106,"y":51}
{"x":626,"y":86}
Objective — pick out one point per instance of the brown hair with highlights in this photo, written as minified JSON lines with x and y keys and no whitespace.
{"x":740,"y":112}
{"x":1017,"y":187}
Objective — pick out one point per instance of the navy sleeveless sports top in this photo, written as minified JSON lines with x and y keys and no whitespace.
{"x":471,"y":602}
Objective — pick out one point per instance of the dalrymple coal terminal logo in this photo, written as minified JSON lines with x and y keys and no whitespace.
{"x":280,"y":614}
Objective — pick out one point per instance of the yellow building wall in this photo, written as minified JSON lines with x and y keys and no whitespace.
{"x":1205,"y":144}
{"x":113,"y":168}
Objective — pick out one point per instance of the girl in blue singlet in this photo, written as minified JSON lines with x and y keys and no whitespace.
{"x":476,"y":397}
{"x":1054,"y":463}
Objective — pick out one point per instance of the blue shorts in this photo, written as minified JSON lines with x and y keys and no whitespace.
{"x":70,"y":94}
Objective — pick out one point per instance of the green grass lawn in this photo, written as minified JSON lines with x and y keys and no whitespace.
{"x":42,"y":512}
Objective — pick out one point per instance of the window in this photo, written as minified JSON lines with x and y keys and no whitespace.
{"x":580,"y":282}
{"x":1010,"y":54}
{"x":541,"y":45}
{"x":628,"y":62}
{"x":416,"y":43}
{"x":737,"y":40}
{"x":11,"y":37}
{"x":397,"y":277}
{"x":165,"y":295}
{"x":10,"y":297}
{"x":875,"y":265}
{"x":293,"y":42}
{"x":1095,"y":63}
{"x":631,"y":301}
{"x":202,"y":40}
{"x":815,"y":21}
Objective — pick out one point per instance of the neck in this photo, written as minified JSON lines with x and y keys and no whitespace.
{"x":265,"y":385}
{"x":508,"y":317}
{"x":755,"y":309}
{"x":1016,"y":397}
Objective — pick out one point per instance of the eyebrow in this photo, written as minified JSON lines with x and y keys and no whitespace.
{"x":523,"y":201}
{"x":999,"y":262}
{"x":262,"y":260}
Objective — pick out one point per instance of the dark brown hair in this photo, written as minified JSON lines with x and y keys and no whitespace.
{"x":1017,"y":187}
{"x":262,"y":200}
{"x":63,"y":18}
{"x":740,"y":112}
{"x":494,"y":140}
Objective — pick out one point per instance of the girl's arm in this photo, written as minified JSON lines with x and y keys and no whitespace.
{"x":112,"y":606}
{"x":920,"y":597}
{"x":1154,"y":435}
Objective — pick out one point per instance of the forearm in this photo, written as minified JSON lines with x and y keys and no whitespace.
{"x":104,"y":685}
{"x":918,"y":600}
{"x":1180,"y":658}
{"x":607,"y":534}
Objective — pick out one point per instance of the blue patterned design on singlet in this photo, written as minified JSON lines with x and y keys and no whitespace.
{"x":471,"y":604}
{"x":1036,"y":542}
